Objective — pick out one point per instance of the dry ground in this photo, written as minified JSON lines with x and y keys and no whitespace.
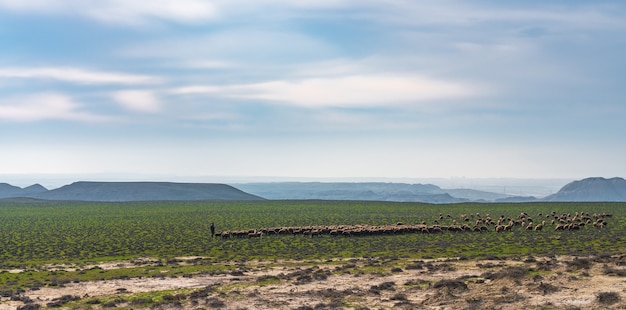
{"x":526,"y":283}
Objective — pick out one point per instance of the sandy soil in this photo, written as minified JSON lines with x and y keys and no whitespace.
{"x":526,"y":283}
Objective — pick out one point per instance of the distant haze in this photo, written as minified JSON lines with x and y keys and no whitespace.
{"x":515,"y":187}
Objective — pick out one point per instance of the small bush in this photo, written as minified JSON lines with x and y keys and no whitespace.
{"x":389,"y":286}
{"x":236,"y":273}
{"x":546,"y":266}
{"x":547,"y":288}
{"x":204,"y":292}
{"x":474,"y":302}
{"x":320,"y":275}
{"x":608,"y":298}
{"x":488,"y":265}
{"x":509,"y":298}
{"x":168,"y":297}
{"x":614,"y":272}
{"x":579,"y":263}
{"x":94,"y":301}
{"x":451,"y":285}
{"x":398,"y":296}
{"x":303,"y":279}
{"x":215,"y":303}
{"x":335,"y":304}
{"x":141,"y":301}
{"x":506,"y":273}
{"x":330,"y":293}
{"x":267,"y":278}
{"x":415,"y":266}
{"x":443,"y":267}
{"x":58,"y":302}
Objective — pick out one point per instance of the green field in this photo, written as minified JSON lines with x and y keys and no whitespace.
{"x":37,"y":232}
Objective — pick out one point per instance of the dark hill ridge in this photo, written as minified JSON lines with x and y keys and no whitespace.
{"x":7,"y":190}
{"x":144,"y":191}
{"x":592,"y":189}
{"x":33,"y":190}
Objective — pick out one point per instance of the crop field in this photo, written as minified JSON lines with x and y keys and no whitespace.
{"x":57,"y":248}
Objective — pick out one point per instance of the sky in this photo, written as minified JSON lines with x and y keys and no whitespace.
{"x":175,"y":89}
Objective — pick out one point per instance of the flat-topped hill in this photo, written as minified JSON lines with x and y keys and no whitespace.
{"x":144,"y":191}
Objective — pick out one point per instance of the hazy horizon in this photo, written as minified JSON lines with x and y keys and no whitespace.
{"x":313,"y":89}
{"x":511,"y":186}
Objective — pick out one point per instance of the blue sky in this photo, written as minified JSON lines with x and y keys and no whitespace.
{"x":316,"y":89}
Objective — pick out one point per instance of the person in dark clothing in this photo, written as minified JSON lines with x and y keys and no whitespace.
{"x":212,"y":230}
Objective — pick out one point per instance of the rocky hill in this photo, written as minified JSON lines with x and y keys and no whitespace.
{"x":144,"y":191}
{"x":592,"y":189}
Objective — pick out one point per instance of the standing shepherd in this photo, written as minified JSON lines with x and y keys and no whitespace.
{"x":212,"y":229}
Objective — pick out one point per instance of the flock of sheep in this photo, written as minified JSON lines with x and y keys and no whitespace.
{"x":466,"y":223}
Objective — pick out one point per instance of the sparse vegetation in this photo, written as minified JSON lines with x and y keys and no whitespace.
{"x":142,"y":245}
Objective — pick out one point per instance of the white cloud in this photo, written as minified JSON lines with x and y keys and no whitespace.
{"x":47,"y":106}
{"x":77,"y":75}
{"x":367,"y":90}
{"x":120,"y":11}
{"x":198,"y":89}
{"x":359,"y":90}
{"x":138,"y":101}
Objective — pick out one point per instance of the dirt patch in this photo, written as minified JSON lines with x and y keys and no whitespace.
{"x":537,"y":283}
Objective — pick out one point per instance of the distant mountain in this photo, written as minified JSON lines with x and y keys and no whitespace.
{"x":379,"y":191}
{"x":475,"y":195}
{"x":144,"y":191}
{"x":517,"y":199}
{"x":33,"y":190}
{"x":592,"y":189}
{"x":7,"y":190}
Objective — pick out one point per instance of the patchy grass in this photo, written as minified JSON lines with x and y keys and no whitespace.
{"x":133,"y":300}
